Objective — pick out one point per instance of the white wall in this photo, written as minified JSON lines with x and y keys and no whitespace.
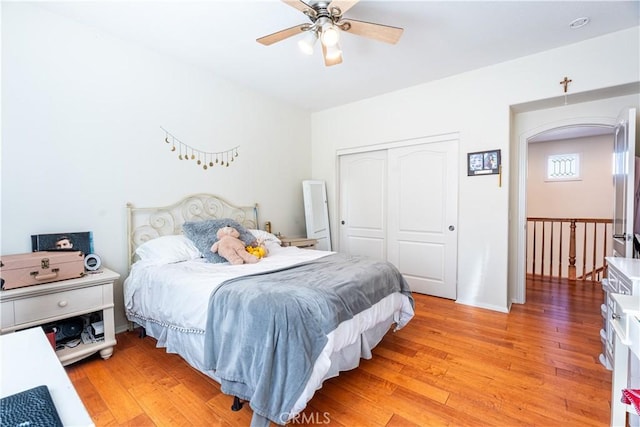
{"x":476,"y":104}
{"x":81,"y":137}
{"x":591,"y":196}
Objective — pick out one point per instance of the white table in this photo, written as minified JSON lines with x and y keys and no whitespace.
{"x":27,"y":360}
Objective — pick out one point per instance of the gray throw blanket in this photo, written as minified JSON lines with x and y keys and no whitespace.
{"x":264,"y":332}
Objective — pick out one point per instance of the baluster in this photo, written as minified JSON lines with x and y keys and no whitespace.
{"x":584,"y":255}
{"x":533,"y":269}
{"x":572,"y":250}
{"x":560,"y":250}
{"x":551,"y":233}
{"x":544,"y":223}
{"x":594,"y":250}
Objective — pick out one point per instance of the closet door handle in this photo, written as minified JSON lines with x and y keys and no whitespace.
{"x":342,"y":222}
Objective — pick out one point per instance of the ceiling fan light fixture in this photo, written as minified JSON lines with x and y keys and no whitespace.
{"x":330,"y":34}
{"x":327,"y":23}
{"x":307,"y":42}
{"x":333,"y":52}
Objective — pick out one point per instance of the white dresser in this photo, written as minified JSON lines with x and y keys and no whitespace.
{"x":623,"y":277}
{"x":625,"y":323}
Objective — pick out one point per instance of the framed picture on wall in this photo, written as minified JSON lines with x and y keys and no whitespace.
{"x":483,"y":163}
{"x":74,"y":241}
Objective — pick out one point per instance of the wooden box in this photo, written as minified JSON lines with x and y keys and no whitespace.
{"x":34,"y":268}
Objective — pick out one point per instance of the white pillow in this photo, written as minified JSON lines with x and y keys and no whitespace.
{"x":265,"y":236}
{"x":168,"y":249}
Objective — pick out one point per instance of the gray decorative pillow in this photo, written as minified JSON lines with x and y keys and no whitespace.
{"x":203,"y":235}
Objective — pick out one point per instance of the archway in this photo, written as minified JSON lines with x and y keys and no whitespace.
{"x":558,"y":129}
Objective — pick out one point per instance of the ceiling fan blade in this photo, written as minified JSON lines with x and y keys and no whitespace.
{"x":331,"y":61}
{"x":282,"y":34}
{"x":302,"y":7}
{"x":383,"y":33}
{"x":343,"y":5}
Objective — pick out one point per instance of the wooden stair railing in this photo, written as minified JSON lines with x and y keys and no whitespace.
{"x":571,"y":248}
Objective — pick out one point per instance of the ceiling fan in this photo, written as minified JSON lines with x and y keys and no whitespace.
{"x":327,"y":21}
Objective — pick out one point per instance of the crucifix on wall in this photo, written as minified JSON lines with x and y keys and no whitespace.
{"x":566,"y":82}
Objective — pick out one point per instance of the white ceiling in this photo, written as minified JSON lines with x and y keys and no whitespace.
{"x":441,"y":38}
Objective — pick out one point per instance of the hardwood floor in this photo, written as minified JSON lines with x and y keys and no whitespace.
{"x":451,"y":365}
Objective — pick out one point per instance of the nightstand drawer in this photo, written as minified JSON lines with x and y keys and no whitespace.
{"x":300,"y":242}
{"x":57,"y":304}
{"x":6,"y":314}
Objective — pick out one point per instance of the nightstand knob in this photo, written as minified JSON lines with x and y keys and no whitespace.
{"x":62,"y":303}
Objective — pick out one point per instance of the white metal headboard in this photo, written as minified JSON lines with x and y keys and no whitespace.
{"x":144,"y":224}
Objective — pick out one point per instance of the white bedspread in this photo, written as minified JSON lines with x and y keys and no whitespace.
{"x":177,"y":295}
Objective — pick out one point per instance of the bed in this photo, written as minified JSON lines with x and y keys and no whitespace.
{"x":271,"y":332}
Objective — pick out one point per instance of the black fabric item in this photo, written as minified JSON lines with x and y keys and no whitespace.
{"x":33,"y":408}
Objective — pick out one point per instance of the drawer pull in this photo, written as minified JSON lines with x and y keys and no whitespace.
{"x":62,"y":303}
{"x":615,"y":316}
{"x":52,"y":275}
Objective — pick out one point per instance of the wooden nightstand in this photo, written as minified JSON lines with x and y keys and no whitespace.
{"x":37,"y":305}
{"x":300,"y":242}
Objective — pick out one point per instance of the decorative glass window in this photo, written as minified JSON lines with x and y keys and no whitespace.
{"x":563,"y":167}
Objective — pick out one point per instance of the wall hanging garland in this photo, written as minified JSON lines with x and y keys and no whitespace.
{"x":206,"y":159}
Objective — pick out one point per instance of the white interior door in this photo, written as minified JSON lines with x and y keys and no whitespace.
{"x":624,"y":151}
{"x":422,"y":225}
{"x":363,"y":204}
{"x":316,"y":213}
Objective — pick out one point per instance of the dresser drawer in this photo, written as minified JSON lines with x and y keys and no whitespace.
{"x":57,"y":304}
{"x":6,"y":314}
{"x":612,"y":280}
{"x":634,"y":335}
{"x":624,"y":287}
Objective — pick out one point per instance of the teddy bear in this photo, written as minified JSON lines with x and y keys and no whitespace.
{"x":230,"y":247}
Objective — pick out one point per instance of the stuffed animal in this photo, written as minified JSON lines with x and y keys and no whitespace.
{"x":230,"y":247}
{"x":258,"y":248}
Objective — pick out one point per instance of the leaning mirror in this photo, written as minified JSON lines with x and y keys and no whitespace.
{"x":316,"y":213}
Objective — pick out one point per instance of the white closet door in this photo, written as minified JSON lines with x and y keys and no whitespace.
{"x":363,"y":204}
{"x":422,"y":216}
